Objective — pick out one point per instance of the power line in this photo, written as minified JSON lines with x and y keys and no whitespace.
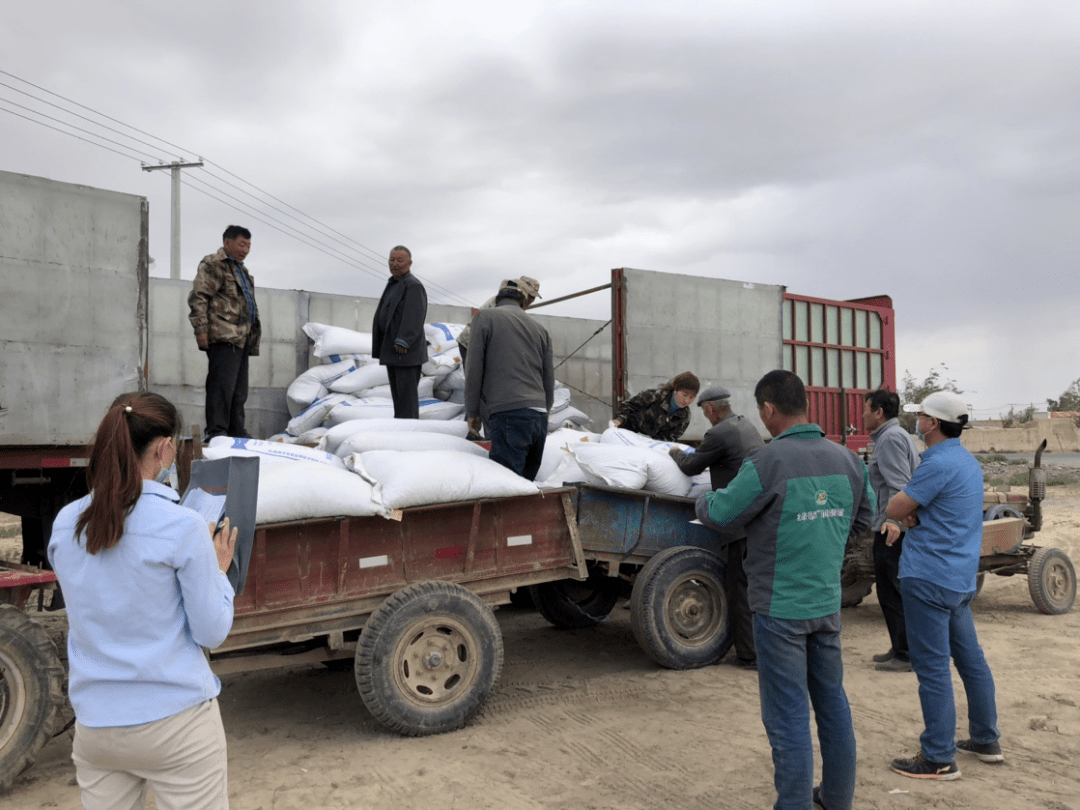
{"x":69,"y":134}
{"x":83,"y":117}
{"x":361,"y":261}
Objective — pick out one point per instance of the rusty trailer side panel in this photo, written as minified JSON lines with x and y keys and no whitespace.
{"x":318,"y":577}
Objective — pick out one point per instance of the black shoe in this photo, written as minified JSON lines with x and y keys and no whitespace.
{"x":894,"y":664}
{"x":817,"y":798}
{"x":986,"y":752}
{"x":919,"y":767}
{"x":881,"y":658}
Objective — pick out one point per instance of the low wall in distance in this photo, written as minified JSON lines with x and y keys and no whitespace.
{"x":1061,"y":436}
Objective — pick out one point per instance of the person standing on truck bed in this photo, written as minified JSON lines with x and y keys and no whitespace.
{"x":146,"y":590}
{"x":730,"y":440}
{"x":397,"y":333}
{"x":893,"y":459}
{"x":510,"y":374}
{"x":800,"y":498}
{"x":943,"y":505}
{"x":226,"y":322}
{"x":661,"y":413}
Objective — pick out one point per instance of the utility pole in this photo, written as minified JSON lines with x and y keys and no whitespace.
{"x":174,"y":261}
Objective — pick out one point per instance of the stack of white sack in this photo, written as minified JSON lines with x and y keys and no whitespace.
{"x":701,"y":482}
{"x":349,"y":374}
{"x":298,"y":483}
{"x":622,"y":458}
{"x":404,"y":479}
{"x":559,"y":466}
{"x":338,"y":433}
{"x":563,"y":414}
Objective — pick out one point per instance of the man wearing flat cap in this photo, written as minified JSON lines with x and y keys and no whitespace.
{"x":942,"y":504}
{"x":509,"y":375}
{"x":730,"y":439}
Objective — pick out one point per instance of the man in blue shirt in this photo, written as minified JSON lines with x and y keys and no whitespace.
{"x":942,"y":503}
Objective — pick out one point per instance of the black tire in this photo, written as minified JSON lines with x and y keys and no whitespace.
{"x":31,"y":691}
{"x":571,"y":604}
{"x":853,"y":594}
{"x":679,"y":608}
{"x":1052,"y":581}
{"x":428,"y":658}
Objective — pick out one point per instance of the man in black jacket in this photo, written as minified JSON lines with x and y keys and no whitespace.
{"x":730,"y":439}
{"x":397,"y":334}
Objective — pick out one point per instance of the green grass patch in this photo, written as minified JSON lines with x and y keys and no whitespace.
{"x":990,"y":459}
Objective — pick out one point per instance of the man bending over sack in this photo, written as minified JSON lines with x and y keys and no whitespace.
{"x":509,"y":373}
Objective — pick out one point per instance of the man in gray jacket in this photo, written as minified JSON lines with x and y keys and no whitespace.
{"x":509,"y":372}
{"x":893,"y":459}
{"x":730,"y":439}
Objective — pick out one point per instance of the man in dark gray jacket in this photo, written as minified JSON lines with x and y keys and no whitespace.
{"x":397,"y":333}
{"x":730,"y":439}
{"x":510,"y":372}
{"x":893,"y":459}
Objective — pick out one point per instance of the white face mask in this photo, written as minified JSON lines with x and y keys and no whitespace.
{"x":168,"y":476}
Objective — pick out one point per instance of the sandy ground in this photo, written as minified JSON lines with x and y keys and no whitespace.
{"x":583,"y":720}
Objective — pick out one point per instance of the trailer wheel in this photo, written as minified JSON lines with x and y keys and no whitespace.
{"x":679,"y":608}
{"x":1052,"y":581}
{"x":571,"y":604}
{"x":31,"y":691}
{"x":428,"y":658}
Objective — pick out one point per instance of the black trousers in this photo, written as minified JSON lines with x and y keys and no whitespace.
{"x":742,"y":620}
{"x":404,"y":390}
{"x":887,"y":579}
{"x":226,"y":390}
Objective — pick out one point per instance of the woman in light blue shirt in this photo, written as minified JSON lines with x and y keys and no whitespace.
{"x":145,"y":589}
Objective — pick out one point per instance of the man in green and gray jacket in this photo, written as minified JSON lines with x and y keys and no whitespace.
{"x":800,"y":497}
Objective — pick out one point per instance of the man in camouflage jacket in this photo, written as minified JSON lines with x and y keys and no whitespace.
{"x":225,"y":318}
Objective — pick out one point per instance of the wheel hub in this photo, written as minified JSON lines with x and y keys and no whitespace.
{"x":694,"y":612}
{"x":436,"y":662}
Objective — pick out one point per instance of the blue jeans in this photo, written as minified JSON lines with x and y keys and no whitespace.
{"x":517,"y":440}
{"x":939,"y":626}
{"x":798,"y":659}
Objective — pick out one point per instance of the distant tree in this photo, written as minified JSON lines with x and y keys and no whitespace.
{"x":1015,"y":418}
{"x":913,"y":391}
{"x":1069,"y":399}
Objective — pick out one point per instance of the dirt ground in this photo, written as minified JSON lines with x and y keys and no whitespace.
{"x":583,"y":720}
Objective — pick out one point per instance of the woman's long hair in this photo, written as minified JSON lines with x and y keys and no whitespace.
{"x":113,"y":473}
{"x":686,"y":381}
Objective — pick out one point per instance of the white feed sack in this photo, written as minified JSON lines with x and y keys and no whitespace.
{"x":567,"y":417}
{"x":414,"y":441}
{"x":555,"y":450}
{"x":223,"y":446}
{"x":314,"y":415}
{"x":298,"y":491}
{"x":337,"y":340}
{"x":359,"y":379}
{"x":415,"y":479}
{"x":632,"y":468}
{"x":442,"y":337}
{"x":425,"y":390}
{"x":338,"y":433}
{"x":377,"y":408}
{"x":629,"y":438}
{"x":313,"y":384}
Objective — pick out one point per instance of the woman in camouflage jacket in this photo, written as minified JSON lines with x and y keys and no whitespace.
{"x":661,"y":413}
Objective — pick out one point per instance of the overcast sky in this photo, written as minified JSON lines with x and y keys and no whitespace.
{"x":929,"y":151}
